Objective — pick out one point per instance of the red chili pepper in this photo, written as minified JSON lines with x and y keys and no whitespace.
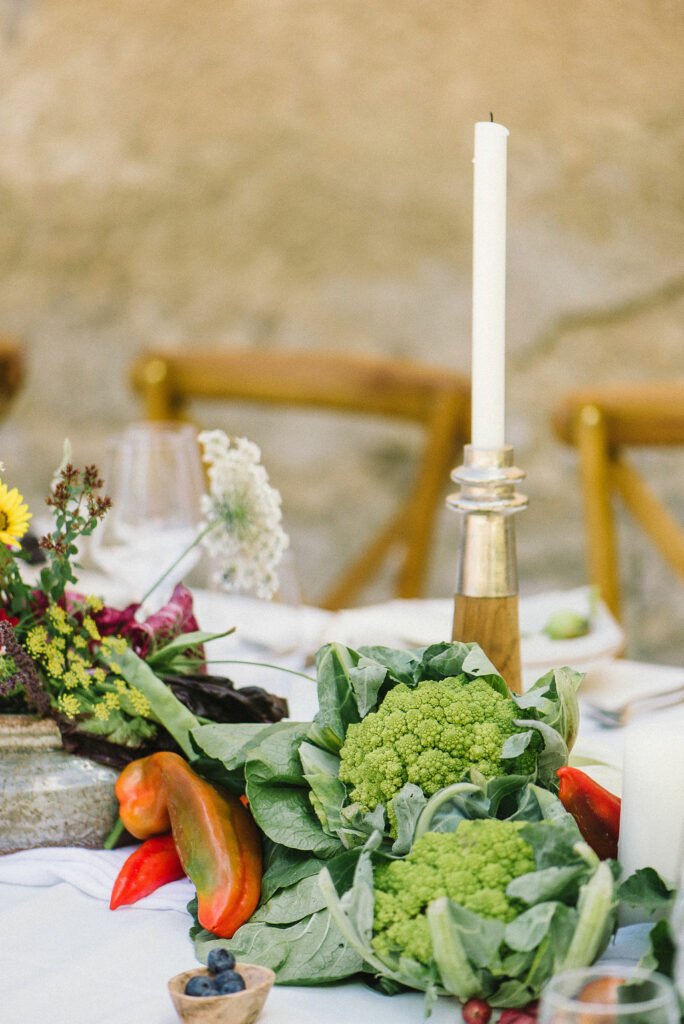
{"x":152,"y":865}
{"x":595,"y":809}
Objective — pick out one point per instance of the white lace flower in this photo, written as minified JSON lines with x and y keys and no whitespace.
{"x":247,"y":540}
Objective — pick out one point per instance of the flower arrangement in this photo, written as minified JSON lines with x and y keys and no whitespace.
{"x":99,"y":671}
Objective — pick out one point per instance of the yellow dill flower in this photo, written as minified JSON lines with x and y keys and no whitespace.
{"x":70,"y":680}
{"x":111,"y":701}
{"x":139,"y":702}
{"x":101,"y":711}
{"x":54,"y":663}
{"x":14,"y":516}
{"x":90,"y":627}
{"x":36,"y":641}
{"x":99,"y":676}
{"x":59,"y":642}
{"x":121,"y":685}
{"x":94,"y":603}
{"x":69,"y":705}
{"x":59,"y":619}
{"x":79,"y":641}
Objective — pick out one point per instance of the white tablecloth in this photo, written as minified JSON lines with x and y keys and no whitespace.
{"x":65,"y":958}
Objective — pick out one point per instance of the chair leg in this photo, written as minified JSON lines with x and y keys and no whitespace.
{"x":590,"y":438}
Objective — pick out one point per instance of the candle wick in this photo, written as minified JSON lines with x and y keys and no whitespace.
{"x":491,"y":116}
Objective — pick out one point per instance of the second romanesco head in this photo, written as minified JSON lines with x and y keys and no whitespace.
{"x":473,"y":866}
{"x":430,"y":735}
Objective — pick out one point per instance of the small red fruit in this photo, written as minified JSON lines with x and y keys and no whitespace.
{"x":477,"y":1011}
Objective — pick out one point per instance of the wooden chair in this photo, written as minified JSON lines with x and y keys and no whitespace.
{"x":11,"y":372}
{"x":436,"y":399}
{"x":602,"y":423}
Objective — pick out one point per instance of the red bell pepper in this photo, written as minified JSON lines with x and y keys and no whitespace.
{"x":152,"y":865}
{"x":217,"y":840}
{"x":595,"y":809}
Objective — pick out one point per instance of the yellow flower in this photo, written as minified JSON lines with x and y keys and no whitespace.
{"x":90,"y":627}
{"x":14,"y":516}
{"x":94,"y":603}
{"x":101,"y":711}
{"x":59,"y":619}
{"x":79,"y":641}
{"x":68,"y":704}
{"x":70,"y":680}
{"x":99,"y":675}
{"x":36,"y":641}
{"x":111,"y":701}
{"x":139,"y":701}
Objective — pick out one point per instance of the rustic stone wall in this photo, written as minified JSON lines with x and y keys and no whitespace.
{"x":297,"y":173}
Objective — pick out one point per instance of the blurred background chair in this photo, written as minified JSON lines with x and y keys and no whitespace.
{"x":11,"y":372}
{"x":434,"y":398}
{"x":602,"y":423}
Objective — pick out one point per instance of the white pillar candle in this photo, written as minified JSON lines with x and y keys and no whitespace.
{"x":489,"y":285}
{"x":652,"y":816}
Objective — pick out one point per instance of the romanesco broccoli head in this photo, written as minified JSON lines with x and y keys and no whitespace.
{"x":472,"y":866}
{"x":430,"y":735}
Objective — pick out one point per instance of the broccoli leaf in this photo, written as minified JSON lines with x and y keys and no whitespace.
{"x":407,"y":806}
{"x":528,"y":929}
{"x":456,"y":972}
{"x":646,"y":890}
{"x":311,"y":951}
{"x":337,"y":706}
{"x":328,"y":794}
{"x":366,"y":680}
{"x":555,"y":883}
{"x":284,"y":867}
{"x":278,"y":793}
{"x":401,"y":666}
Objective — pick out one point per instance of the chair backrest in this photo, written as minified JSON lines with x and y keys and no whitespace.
{"x":436,"y":399}
{"x":11,"y":372}
{"x":602,"y":423}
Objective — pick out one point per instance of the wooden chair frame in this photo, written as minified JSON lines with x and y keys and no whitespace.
{"x":435,"y":398}
{"x":601,"y":424}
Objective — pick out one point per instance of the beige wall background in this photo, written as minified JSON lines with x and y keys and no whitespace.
{"x":297,"y":173}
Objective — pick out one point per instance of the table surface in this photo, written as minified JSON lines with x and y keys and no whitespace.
{"x":66,"y":959}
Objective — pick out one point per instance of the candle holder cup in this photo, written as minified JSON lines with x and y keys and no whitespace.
{"x":486,"y":599}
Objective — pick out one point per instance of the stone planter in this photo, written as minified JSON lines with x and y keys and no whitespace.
{"x":49,"y":797}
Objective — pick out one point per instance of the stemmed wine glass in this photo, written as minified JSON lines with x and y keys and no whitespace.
{"x":153,"y":474}
{"x":610,"y":993}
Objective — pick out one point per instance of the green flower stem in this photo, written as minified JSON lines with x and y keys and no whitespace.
{"x":236,"y":661}
{"x":198,"y":540}
{"x":114,"y":836}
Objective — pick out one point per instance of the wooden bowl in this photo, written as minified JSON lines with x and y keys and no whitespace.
{"x":236,"y":1008}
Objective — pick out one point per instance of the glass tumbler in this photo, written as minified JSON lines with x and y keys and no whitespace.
{"x":609,"y":994}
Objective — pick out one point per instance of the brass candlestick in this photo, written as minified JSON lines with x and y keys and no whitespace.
{"x":486,"y":599}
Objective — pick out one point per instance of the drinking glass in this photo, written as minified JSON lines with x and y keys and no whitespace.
{"x":153,"y":474}
{"x":608,"y":994}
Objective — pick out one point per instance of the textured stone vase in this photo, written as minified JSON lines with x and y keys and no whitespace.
{"x":47,"y":796}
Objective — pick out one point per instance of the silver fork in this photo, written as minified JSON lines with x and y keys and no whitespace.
{"x":613,"y":718}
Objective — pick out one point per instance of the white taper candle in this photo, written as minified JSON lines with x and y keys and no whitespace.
{"x":489,"y":285}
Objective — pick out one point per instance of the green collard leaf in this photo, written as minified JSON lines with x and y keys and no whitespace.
{"x":163,"y":658}
{"x":408,"y":805}
{"x":366,"y":681}
{"x":291,"y":904}
{"x":310,"y":952}
{"x":284,"y":867}
{"x":337,"y":706}
{"x":455,"y":970}
{"x":555,"y":883}
{"x":646,"y":890}
{"x":401,"y":666}
{"x":230,"y":743}
{"x":166,"y":708}
{"x":528,"y":929}
{"x":516,"y":745}
{"x":662,"y":949}
{"x":596,"y":916}
{"x":278,"y":793}
{"x":481,"y":937}
{"x":359,"y":900}
{"x":327,"y":793}
{"x":554,"y":754}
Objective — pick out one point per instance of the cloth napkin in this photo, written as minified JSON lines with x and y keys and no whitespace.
{"x":93,"y":872}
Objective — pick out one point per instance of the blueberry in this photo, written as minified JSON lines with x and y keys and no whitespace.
{"x":200,"y":985}
{"x":228,"y":982}
{"x":220,"y":960}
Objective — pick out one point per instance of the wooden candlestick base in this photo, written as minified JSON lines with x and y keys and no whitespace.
{"x":492,"y":622}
